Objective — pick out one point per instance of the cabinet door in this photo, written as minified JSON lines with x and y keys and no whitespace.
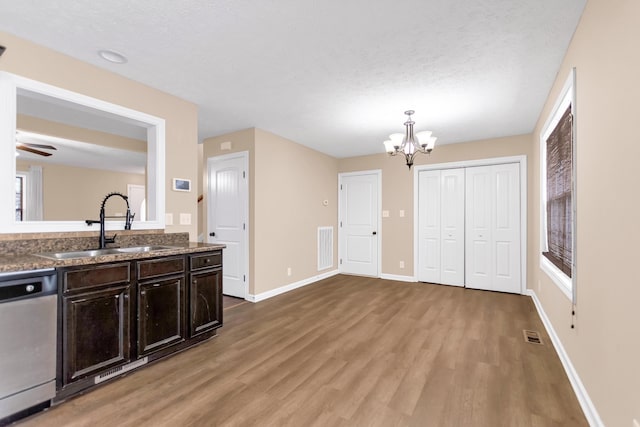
{"x":95,"y":332}
{"x":206,"y":301}
{"x":161,"y":314}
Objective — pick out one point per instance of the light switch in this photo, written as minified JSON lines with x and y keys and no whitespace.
{"x":401,"y":213}
{"x":168,"y":219}
{"x":185,"y":219}
{"x":385,"y":214}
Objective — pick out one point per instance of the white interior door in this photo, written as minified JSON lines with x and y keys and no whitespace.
{"x":441,"y":226}
{"x":227,"y":219}
{"x":359,"y":223}
{"x":493,"y":228}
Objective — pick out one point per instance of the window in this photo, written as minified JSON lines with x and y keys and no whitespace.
{"x":21,"y":181}
{"x":557,"y":187}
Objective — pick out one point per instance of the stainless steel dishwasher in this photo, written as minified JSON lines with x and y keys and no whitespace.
{"x":28,"y":316}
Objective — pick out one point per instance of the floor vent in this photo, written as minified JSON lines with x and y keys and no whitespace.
{"x":325,"y":248}
{"x":119,"y":370}
{"x":532,"y":337}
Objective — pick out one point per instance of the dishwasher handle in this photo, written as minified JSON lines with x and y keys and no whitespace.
{"x":27,"y":287}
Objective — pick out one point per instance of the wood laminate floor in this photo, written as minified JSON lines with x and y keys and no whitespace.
{"x":349,"y":351}
{"x":229,"y":302}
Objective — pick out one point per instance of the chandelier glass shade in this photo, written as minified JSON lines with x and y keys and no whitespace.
{"x":410,"y":143}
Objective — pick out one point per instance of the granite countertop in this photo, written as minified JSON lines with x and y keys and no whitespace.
{"x":26,"y":262}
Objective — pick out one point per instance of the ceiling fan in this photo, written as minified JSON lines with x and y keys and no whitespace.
{"x":32,"y":147}
{"x":35,"y":148}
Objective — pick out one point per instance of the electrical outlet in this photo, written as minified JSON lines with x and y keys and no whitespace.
{"x":168,"y":219}
{"x":401,"y":213}
{"x":401,"y":264}
{"x":385,"y":214}
{"x":288,"y":271}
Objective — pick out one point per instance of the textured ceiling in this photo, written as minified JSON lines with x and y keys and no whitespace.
{"x":333,"y":75}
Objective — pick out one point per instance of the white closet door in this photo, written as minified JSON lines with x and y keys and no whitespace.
{"x":506,"y":238}
{"x":429,"y":226}
{"x":493,"y":228}
{"x":441,"y":226}
{"x":452,"y":226}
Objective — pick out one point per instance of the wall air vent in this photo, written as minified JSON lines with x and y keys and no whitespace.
{"x":325,"y":248}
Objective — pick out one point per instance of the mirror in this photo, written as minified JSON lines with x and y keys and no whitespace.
{"x":63,"y":152}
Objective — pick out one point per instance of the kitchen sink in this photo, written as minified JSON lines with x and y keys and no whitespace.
{"x":92,"y":253}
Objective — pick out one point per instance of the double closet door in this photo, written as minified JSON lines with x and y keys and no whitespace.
{"x":469,"y":227}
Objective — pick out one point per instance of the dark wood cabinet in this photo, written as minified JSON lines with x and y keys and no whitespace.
{"x":206,"y":301}
{"x":205,"y":292}
{"x":96,"y":313}
{"x":161,"y":306}
{"x":115,"y":317}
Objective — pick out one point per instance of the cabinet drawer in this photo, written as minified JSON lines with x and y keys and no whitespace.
{"x":208,"y":260}
{"x":96,"y":275}
{"x":160,"y":267}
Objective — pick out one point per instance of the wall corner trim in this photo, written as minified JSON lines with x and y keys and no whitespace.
{"x":589,"y":409}
{"x":286,"y":288}
{"x":398,"y":278}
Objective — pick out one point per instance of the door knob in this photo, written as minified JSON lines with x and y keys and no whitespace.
{"x":374,"y":233}
{"x":212,"y":234}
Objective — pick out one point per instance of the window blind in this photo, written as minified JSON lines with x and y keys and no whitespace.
{"x":559,"y":186}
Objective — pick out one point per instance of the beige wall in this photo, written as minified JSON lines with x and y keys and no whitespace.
{"x":397,"y":189}
{"x":36,"y":62}
{"x":75,"y":194}
{"x":605,"y":345}
{"x":291,"y":183}
{"x":287,"y":184}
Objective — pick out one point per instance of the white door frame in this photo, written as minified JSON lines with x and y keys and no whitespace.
{"x":378,"y":173}
{"x":245,"y":207}
{"x":522,"y":160}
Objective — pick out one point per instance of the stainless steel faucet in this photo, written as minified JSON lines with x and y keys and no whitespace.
{"x":127,"y":224}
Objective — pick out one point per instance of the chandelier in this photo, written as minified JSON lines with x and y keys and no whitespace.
{"x":409,"y":143}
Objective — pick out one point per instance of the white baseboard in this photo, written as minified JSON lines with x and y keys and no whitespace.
{"x":589,"y":409}
{"x":398,"y":278}
{"x":286,"y":288}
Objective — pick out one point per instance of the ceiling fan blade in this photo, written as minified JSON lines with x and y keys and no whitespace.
{"x":46,"y":147}
{"x":32,"y":150}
